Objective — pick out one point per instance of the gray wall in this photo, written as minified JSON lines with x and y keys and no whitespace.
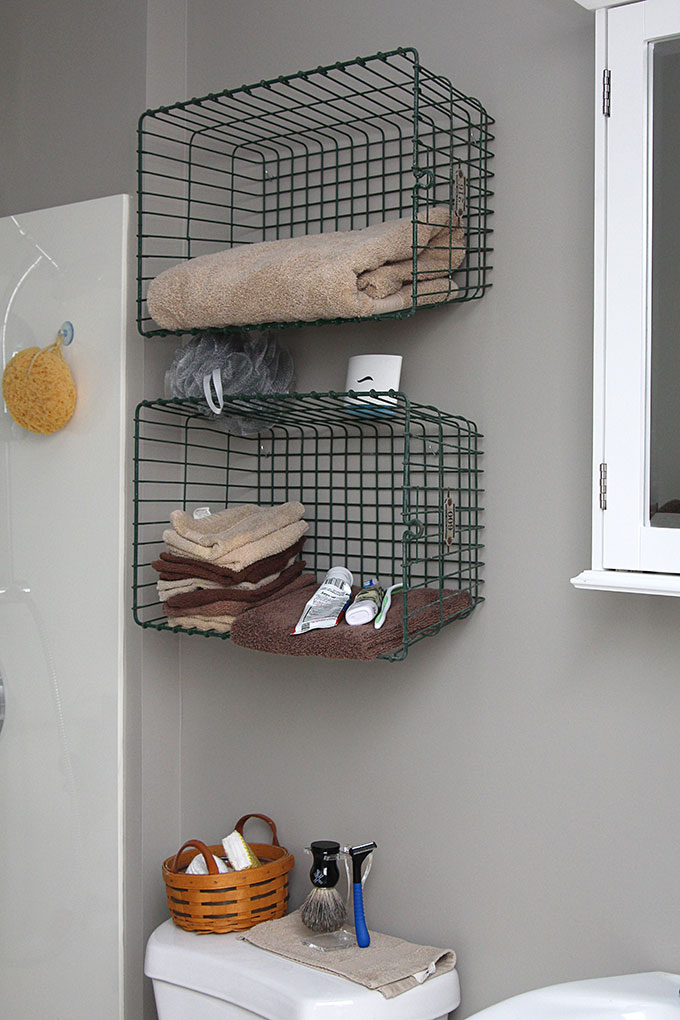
{"x":519,"y":771}
{"x":73,"y":84}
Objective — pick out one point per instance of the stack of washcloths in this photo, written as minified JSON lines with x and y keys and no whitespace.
{"x":219,"y":565}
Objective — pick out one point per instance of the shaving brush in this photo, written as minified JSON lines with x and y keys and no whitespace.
{"x":324,"y":910}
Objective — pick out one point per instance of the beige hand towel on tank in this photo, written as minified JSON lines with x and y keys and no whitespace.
{"x":389,"y":965}
{"x":343,"y":274}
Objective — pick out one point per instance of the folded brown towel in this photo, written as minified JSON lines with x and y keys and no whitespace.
{"x":234,"y":527}
{"x":225,"y":611}
{"x":389,"y":965}
{"x":200,"y":601}
{"x":268,"y":629}
{"x":343,"y":274}
{"x":222,"y":624}
{"x":242,"y":557}
{"x":170,"y":566}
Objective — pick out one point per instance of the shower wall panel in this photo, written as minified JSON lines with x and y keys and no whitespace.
{"x":63,"y":550}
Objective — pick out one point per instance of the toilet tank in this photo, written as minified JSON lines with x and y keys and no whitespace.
{"x":222,"y":977}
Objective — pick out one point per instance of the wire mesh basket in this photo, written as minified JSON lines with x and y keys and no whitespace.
{"x":391,"y":489}
{"x":336,"y":148}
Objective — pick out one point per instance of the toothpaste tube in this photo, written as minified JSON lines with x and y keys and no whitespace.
{"x":366,"y":604}
{"x":328,"y":603}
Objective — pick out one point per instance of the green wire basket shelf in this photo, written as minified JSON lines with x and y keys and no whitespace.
{"x":391,"y":489}
{"x":335,"y":148}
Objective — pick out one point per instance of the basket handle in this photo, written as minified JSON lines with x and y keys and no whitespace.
{"x":202,"y":848}
{"x":242,"y":821}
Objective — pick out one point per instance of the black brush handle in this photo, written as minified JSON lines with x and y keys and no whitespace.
{"x":324,"y":872}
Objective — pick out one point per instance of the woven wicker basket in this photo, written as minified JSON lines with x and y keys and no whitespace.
{"x":234,"y":901}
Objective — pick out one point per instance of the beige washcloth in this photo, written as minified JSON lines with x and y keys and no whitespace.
{"x":389,"y":965}
{"x":221,"y":624}
{"x":242,"y":557}
{"x":166,"y":589}
{"x":343,"y":274}
{"x":236,"y":526}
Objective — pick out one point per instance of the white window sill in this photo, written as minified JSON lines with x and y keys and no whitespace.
{"x":628,"y":581}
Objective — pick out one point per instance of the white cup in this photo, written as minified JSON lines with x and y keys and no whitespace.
{"x":374,"y":372}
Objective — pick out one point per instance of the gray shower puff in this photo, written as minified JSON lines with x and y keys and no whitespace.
{"x":248,"y":363}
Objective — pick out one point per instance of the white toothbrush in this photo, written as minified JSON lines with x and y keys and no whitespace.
{"x":386,"y":603}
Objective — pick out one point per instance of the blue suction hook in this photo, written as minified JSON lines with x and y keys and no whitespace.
{"x":65,"y":333}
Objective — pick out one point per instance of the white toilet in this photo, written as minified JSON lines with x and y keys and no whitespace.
{"x":649,"y":996}
{"x":221,"y":977}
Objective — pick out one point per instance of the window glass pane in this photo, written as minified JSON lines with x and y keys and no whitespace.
{"x":664,"y":487}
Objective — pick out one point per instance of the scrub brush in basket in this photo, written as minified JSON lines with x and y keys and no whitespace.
{"x":324,"y":910}
{"x":239,"y":854}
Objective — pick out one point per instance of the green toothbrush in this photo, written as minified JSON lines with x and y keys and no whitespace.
{"x":386,"y":603}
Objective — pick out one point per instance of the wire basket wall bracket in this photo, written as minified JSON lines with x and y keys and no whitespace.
{"x":335,"y":148}
{"x":394,"y":494}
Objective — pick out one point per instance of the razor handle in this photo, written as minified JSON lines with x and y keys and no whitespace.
{"x":363,"y":938}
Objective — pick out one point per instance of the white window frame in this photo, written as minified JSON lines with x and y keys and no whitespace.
{"x":628,"y":554}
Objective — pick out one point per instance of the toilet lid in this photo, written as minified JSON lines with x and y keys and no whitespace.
{"x":270,"y":986}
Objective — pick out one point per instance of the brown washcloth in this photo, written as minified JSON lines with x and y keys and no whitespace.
{"x":269,"y":629}
{"x":216,"y":611}
{"x":343,"y":274}
{"x":236,"y":526}
{"x":223,"y":623}
{"x":170,"y":566}
{"x":182,"y":586}
{"x":242,"y":557}
{"x":389,"y":965}
{"x":200,"y":600}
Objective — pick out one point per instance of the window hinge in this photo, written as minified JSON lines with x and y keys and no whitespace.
{"x":603,"y":486}
{"x":606,"y":92}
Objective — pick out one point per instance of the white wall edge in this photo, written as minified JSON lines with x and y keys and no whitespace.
{"x":598,"y":5}
{"x":628,"y":581}
{"x":122,"y":600}
{"x":599,"y":287}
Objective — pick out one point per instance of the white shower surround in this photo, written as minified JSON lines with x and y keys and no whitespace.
{"x":63,"y":583}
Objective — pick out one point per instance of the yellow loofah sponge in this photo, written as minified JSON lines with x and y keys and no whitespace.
{"x":39,"y":389}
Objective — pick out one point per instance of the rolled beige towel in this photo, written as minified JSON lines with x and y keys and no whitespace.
{"x":343,"y":274}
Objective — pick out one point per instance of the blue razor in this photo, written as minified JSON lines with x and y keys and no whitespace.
{"x":359,"y":855}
